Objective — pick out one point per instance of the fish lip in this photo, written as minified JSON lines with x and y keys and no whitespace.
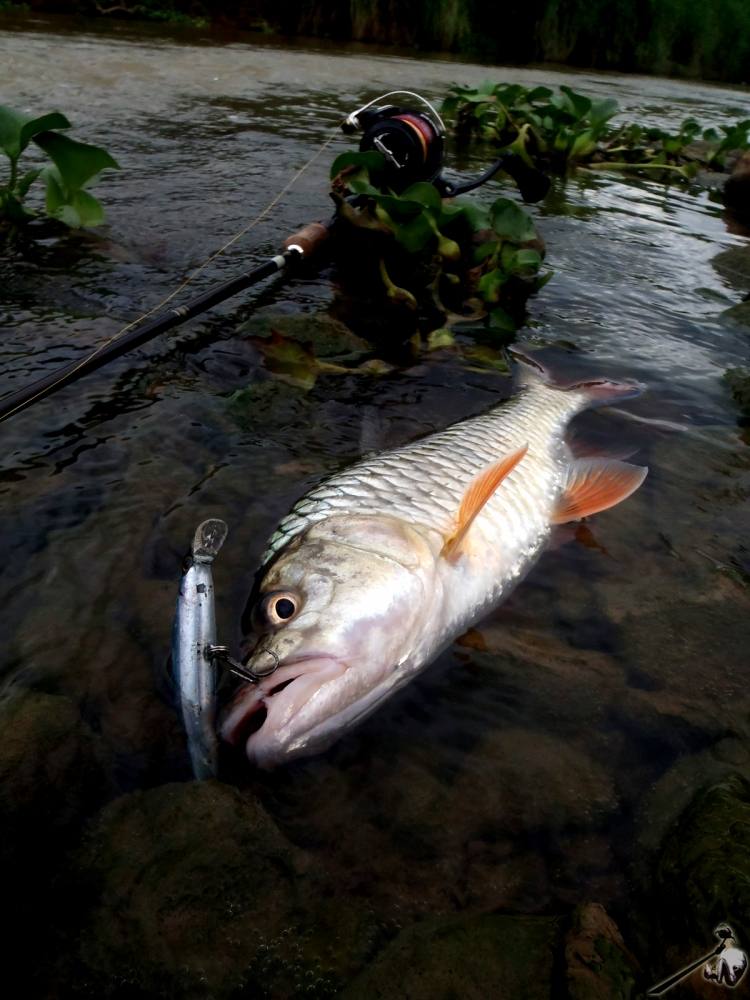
{"x":251,"y":698}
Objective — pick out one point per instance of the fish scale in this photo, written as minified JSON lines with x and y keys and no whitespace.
{"x":426,"y":479}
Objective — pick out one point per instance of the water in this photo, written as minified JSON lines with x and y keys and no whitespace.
{"x":530,"y":768}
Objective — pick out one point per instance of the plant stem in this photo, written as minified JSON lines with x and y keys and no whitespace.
{"x":13,"y":174}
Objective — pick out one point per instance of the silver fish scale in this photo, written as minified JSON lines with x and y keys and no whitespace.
{"x":426,"y":480}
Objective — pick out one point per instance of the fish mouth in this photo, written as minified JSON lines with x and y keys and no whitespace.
{"x":262,"y":715}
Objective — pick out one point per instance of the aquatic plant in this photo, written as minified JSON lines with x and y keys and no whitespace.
{"x":75,"y":165}
{"x":447,"y":262}
{"x":164,"y":11}
{"x":557,"y":131}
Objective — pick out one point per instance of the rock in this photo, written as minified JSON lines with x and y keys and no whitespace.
{"x":190,"y":891}
{"x":701,"y":878}
{"x":668,"y":798}
{"x":178,"y":888}
{"x":328,"y":337}
{"x":503,"y":957}
{"x":52,"y":777}
{"x":737,"y":189}
{"x":530,"y":780}
{"x":51,"y":774}
{"x":738,"y":380}
{"x":598,"y":964}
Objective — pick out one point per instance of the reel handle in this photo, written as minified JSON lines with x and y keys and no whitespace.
{"x":532,"y":183}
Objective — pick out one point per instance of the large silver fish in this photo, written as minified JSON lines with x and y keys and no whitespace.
{"x":194,"y":632}
{"x":378,"y":569}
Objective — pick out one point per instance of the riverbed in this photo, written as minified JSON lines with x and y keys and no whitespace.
{"x":539,"y":763}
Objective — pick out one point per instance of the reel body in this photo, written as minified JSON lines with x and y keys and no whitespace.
{"x":412,"y":144}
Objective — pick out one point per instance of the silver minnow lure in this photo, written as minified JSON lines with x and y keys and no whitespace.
{"x":194,"y":632}
{"x":380,"y":567}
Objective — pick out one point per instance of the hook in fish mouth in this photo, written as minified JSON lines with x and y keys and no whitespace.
{"x":259,"y":713}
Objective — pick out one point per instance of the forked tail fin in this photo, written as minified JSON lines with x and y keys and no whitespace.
{"x":530,"y":373}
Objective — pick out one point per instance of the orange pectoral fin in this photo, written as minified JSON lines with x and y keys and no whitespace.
{"x":480,"y":490}
{"x":595,"y":484}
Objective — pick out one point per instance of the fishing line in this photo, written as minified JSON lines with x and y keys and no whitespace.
{"x":155,"y":308}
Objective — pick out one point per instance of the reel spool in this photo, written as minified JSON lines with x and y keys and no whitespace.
{"x":412,"y":144}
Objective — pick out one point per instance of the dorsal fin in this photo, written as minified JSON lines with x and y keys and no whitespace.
{"x":476,"y":496}
{"x":531,"y":373}
{"x":594,"y":484}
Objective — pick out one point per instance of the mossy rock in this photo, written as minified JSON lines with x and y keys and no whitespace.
{"x":503,"y":957}
{"x":738,"y":380}
{"x":328,"y":337}
{"x":177,"y":888}
{"x":190,"y":891}
{"x":701,"y":878}
{"x":52,"y":777}
{"x":598,"y":964}
{"x":51,"y":773}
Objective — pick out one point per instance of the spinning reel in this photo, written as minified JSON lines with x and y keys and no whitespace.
{"x":412,"y":144}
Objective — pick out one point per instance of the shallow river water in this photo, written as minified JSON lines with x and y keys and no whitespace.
{"x":539,"y":763}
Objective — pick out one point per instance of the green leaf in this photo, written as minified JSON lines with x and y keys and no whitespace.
{"x":601,"y":111}
{"x":370,"y":160}
{"x":76,"y":209}
{"x":24,"y":183}
{"x":511,"y":222}
{"x":12,"y":210}
{"x":576,"y":104}
{"x":415,"y":234}
{"x":17,"y":130}
{"x":584,"y":145}
{"x":490,"y":284}
{"x":485,"y":250}
{"x":501,"y":321}
{"x":440,"y":338}
{"x":477,"y":215}
{"x":78,"y":163}
{"x":527,"y":260}
{"x":539,"y":94}
{"x":424,"y":193}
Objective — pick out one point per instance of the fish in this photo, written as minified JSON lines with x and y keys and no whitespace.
{"x":193,"y":635}
{"x":379,"y":568}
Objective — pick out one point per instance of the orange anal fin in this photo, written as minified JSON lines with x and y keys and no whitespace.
{"x":476,"y":496}
{"x":595,"y":484}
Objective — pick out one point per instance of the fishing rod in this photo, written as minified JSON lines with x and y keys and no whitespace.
{"x":301,"y":246}
{"x":412,"y":146}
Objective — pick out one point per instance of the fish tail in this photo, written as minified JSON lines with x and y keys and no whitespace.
{"x":531,"y":373}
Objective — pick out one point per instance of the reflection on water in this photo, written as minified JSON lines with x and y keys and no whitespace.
{"x":513,"y":775}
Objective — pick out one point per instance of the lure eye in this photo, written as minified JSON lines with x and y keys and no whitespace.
{"x":278,"y":608}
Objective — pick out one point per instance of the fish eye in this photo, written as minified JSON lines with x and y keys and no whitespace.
{"x":278,"y":608}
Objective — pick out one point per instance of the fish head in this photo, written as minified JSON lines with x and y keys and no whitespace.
{"x":340,"y":611}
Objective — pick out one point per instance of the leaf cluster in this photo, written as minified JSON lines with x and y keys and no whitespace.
{"x":72,"y":168}
{"x":453,"y":259}
{"x":557,"y":131}
{"x":539,"y":124}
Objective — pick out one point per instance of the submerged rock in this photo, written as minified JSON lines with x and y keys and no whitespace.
{"x":598,"y":964}
{"x":52,"y":776}
{"x":503,"y":957}
{"x":328,"y":337}
{"x":738,"y":380}
{"x":700,"y":879}
{"x":191,"y":891}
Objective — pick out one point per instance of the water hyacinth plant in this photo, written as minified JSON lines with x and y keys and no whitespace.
{"x":559,"y":130}
{"x":447,"y":262}
{"x":73,"y":167}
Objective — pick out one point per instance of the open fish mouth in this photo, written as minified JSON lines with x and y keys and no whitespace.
{"x":263,"y":715}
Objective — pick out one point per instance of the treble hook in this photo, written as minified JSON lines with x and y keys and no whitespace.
{"x":224,"y":659}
